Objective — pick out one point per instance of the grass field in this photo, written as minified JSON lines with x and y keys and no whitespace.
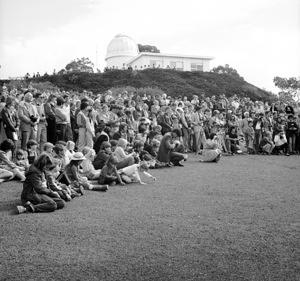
{"x":235,"y":220}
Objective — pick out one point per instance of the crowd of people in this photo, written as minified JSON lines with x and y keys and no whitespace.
{"x":61,"y":143}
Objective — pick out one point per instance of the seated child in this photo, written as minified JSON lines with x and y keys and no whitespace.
{"x":280,"y":142}
{"x":8,"y":169}
{"x":113,"y":144}
{"x":140,"y":152}
{"x":211,"y":152}
{"x":73,"y":175}
{"x":66,"y":193}
{"x":266,"y":144}
{"x":70,"y":146}
{"x":48,"y":149}
{"x":103,"y":155}
{"x":21,"y":159}
{"x":131,"y":173}
{"x":88,"y":170}
{"x":109,"y":174}
{"x":232,"y":141}
{"x":32,"y":150}
{"x":59,"y":156}
{"x":123,"y":159}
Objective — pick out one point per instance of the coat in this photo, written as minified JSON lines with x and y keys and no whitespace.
{"x":165,"y":148}
{"x":10,"y":122}
{"x":33,"y":185}
{"x":25,"y":111}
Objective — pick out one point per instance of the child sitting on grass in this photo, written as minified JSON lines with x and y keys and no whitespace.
{"x":73,"y":175}
{"x":102,"y":156}
{"x":211,"y":152}
{"x":122,"y":157}
{"x":267,"y":145}
{"x":32,"y":151}
{"x":131,"y":174}
{"x":109,"y":174}
{"x":48,"y":149}
{"x":88,"y":170}
{"x":70,"y":147}
{"x":64,"y":192}
{"x":21,"y":159}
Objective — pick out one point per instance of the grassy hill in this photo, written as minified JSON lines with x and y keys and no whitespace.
{"x":172,"y":82}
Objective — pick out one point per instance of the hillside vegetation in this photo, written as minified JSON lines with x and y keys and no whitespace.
{"x":172,"y":82}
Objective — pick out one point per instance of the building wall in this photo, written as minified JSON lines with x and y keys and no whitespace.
{"x":118,"y":62}
{"x":177,"y":62}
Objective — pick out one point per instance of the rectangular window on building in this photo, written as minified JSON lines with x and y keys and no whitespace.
{"x":179,"y":65}
{"x":172,"y":64}
{"x":196,"y":67}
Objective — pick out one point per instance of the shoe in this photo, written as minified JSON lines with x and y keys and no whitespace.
{"x":287,"y":154}
{"x":21,"y":209}
{"x":102,"y":188}
{"x":29,"y":207}
{"x":81,"y":190}
{"x":179,"y":164}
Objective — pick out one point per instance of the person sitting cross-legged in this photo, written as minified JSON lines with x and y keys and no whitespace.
{"x":36,"y":196}
{"x":169,"y":149}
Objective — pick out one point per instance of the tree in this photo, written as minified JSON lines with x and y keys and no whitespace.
{"x":227,"y":70}
{"x":80,"y":65}
{"x":290,"y":88}
{"x":148,"y":48}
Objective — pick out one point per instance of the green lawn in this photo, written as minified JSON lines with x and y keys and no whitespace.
{"x":235,"y":220}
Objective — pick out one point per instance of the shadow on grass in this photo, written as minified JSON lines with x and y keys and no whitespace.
{"x":10,"y":206}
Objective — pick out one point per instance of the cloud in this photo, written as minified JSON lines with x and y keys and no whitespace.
{"x":258,"y":38}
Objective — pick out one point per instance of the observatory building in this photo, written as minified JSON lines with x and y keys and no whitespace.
{"x":122,"y":52}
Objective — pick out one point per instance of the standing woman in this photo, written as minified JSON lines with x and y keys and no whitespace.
{"x":10,"y":120}
{"x":50,"y":117}
{"x":36,"y":196}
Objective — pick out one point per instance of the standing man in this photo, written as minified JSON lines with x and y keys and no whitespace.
{"x":49,"y":108}
{"x":61,"y":119}
{"x":29,"y":118}
{"x":67,"y":111}
{"x":245,"y":127}
{"x":42,"y":125}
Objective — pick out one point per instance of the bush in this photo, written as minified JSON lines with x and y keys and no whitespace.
{"x":172,"y":82}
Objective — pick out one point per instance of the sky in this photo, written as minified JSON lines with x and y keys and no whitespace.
{"x":259,"y":38}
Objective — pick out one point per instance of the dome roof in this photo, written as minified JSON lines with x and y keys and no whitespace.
{"x":122,"y":45}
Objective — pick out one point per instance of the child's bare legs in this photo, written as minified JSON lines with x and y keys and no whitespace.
{"x":5,"y":175}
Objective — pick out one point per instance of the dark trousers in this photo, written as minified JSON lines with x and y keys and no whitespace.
{"x":43,"y":203}
{"x":176,"y":157}
{"x":283,"y":148}
{"x":257,"y":139}
{"x":51,"y":131}
{"x":61,"y":130}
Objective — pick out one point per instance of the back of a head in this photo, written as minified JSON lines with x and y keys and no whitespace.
{"x":122,"y":142}
{"x":7,"y":145}
{"x":43,"y":161}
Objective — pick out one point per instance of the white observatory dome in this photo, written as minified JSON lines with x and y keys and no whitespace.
{"x":120,"y":50}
